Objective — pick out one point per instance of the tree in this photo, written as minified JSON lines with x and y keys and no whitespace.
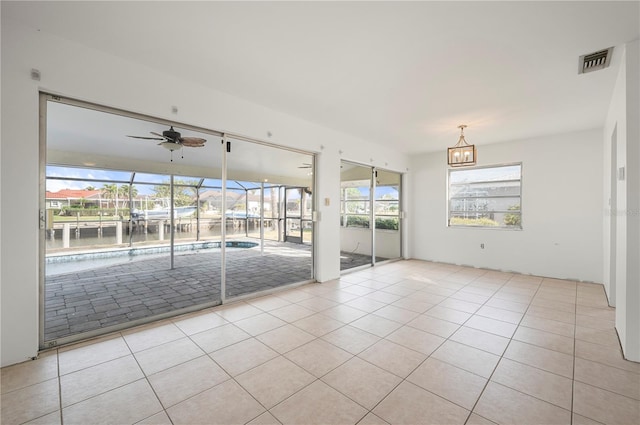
{"x":109,"y":191}
{"x":123,"y":192}
{"x":183,"y":191}
{"x":513,"y":219}
{"x":351,"y":195}
{"x":90,"y":188}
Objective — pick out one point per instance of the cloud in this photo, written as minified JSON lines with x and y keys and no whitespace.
{"x":57,"y":185}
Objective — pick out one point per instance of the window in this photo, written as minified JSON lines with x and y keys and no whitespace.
{"x":355,"y":202}
{"x":486,"y":197}
{"x":387,"y":200}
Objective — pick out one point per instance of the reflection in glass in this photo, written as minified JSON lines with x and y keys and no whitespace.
{"x":388,"y":242}
{"x":355,"y":206}
{"x":359,"y":235}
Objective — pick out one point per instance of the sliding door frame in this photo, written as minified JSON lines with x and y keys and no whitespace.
{"x":226,"y":137}
{"x":372,"y":214}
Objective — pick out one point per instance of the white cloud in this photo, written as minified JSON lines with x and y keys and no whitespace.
{"x":57,"y":185}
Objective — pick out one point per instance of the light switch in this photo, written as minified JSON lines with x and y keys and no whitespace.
{"x":327,"y":202}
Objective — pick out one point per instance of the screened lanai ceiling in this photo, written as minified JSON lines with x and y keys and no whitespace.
{"x":84,"y":137}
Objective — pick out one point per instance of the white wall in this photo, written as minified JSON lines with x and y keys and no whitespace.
{"x":615,"y":125}
{"x":1,"y":222}
{"x":356,"y":240}
{"x":632,"y":318}
{"x":561,"y":210}
{"x":388,"y":243}
{"x":622,"y":117}
{"x":72,"y":70}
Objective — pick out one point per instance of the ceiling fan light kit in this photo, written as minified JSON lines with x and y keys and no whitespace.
{"x":462,"y":154}
{"x":171,"y":146}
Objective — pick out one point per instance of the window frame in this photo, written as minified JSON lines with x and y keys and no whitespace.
{"x":368,"y":204}
{"x":450,"y":171}
{"x":364,"y":201}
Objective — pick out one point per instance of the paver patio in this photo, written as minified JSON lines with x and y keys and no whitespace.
{"x":107,"y":295}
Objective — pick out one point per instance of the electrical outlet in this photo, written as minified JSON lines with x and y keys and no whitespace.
{"x":481,"y":246}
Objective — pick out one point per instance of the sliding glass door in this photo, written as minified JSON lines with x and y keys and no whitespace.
{"x":124,"y":229}
{"x":370,"y":223}
{"x":356,"y":233}
{"x":140,"y":223}
{"x":276,"y":249}
{"x":387,"y":213}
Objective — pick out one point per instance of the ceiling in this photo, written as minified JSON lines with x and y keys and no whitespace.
{"x":89,"y":138}
{"x":404,"y":74}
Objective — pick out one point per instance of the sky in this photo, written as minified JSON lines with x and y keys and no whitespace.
{"x":106,"y":176}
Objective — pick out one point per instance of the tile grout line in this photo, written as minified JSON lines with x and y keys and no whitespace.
{"x":59,"y":385}
{"x":535,"y":367}
{"x":434,"y":350}
{"x":146,"y":377}
{"x":402,"y":325}
{"x":233,"y":378}
{"x":539,"y":285}
{"x":316,"y":379}
{"x":354,"y":356}
{"x":502,"y":355}
{"x":573,"y":377}
{"x":519,"y":324}
{"x":403,"y":380}
{"x":351,"y":358}
{"x":112,"y":389}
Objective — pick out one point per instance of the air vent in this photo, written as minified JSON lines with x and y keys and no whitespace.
{"x":594,"y":61}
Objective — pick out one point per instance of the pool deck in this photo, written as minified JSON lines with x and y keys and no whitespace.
{"x":88,"y":299}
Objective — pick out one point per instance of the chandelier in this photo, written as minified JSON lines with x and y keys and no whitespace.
{"x":462,"y":153}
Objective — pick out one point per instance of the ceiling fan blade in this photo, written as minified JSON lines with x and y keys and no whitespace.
{"x":146,"y":138}
{"x":192,"y":142}
{"x":161,"y":135}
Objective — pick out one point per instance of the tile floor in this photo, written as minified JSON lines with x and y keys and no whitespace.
{"x":410,"y":342}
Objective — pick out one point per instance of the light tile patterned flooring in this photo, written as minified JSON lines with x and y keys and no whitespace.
{"x":410,"y":342}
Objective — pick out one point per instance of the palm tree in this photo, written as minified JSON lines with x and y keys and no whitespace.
{"x":184,"y":191}
{"x":109,"y":191}
{"x":123,"y":192}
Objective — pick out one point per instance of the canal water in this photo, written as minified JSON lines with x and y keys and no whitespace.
{"x":91,"y":247}
{"x":87,"y":236}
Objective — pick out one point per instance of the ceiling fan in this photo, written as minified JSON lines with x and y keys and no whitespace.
{"x":172,"y":140}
